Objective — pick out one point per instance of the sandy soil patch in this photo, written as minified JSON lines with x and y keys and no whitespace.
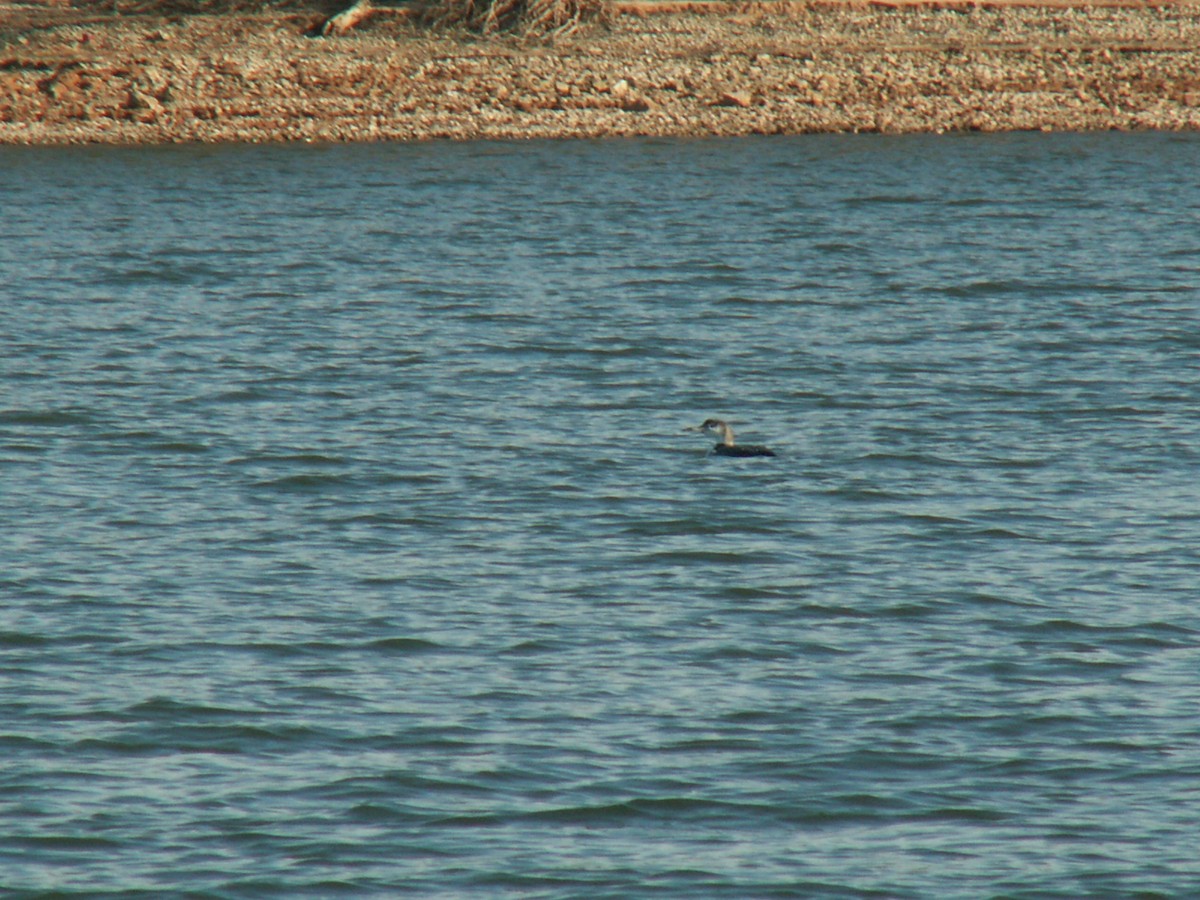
{"x":682,"y":69}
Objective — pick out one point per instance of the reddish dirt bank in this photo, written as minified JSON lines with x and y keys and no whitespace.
{"x":66,"y":77}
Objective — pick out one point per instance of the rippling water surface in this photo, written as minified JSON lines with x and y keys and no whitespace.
{"x":351,"y":544}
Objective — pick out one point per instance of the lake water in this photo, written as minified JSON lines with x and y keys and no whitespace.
{"x":351,"y":544}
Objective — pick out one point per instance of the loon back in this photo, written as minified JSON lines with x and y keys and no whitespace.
{"x":741,"y":450}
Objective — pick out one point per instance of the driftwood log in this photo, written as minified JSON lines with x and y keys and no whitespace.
{"x":343,"y":21}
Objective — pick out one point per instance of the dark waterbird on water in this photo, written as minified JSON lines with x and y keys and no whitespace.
{"x":726,"y":447}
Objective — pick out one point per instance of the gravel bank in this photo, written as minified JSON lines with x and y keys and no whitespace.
{"x":69,"y":78}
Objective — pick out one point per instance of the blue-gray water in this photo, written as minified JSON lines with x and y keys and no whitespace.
{"x":351,"y":544}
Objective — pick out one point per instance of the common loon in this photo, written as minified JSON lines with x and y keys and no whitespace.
{"x":718,"y":428}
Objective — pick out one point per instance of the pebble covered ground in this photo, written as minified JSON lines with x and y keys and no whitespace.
{"x":682,"y":70}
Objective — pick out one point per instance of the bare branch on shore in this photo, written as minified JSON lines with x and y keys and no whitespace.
{"x":533,"y":18}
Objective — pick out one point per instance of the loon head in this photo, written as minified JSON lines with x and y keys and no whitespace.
{"x":717,"y":428}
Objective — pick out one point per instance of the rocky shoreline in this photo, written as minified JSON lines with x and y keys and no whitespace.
{"x":682,"y":70}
